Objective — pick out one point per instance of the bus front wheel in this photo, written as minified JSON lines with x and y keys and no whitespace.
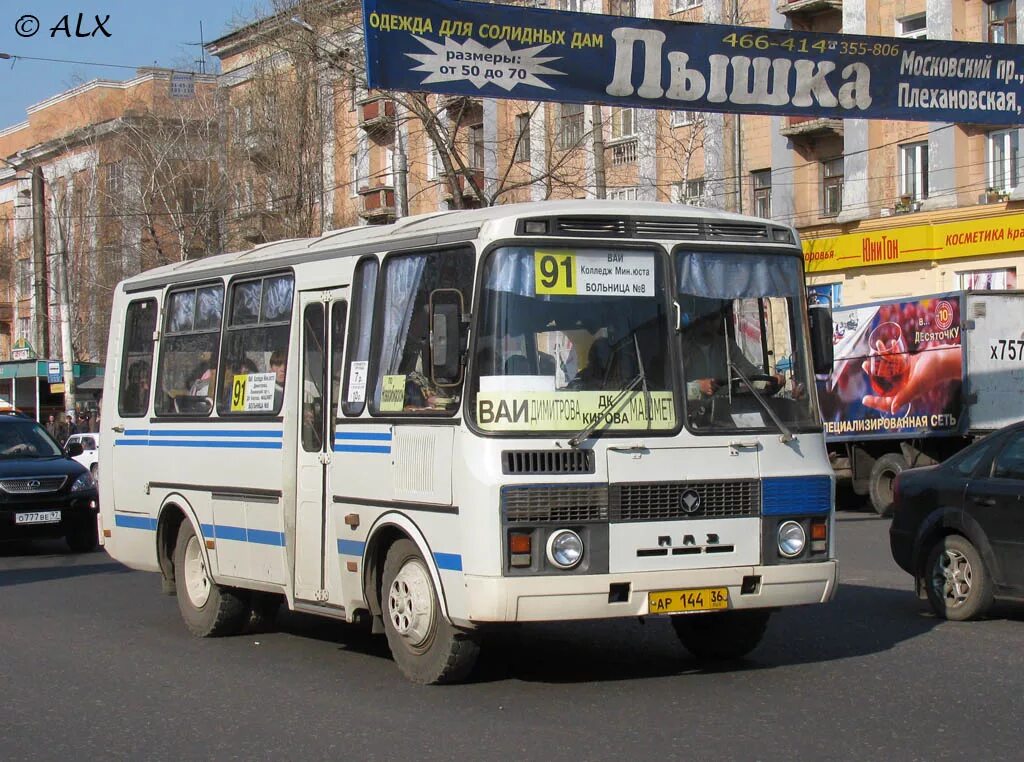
{"x":721,"y":636}
{"x":209,"y":610}
{"x":425,"y":646}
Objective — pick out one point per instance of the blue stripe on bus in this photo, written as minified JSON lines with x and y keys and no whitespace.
{"x":384,"y":449}
{"x":351,"y":548}
{"x":382,"y":436}
{"x":790,"y":495}
{"x":134,"y":522}
{"x":449,"y":561}
{"x":136,"y":432}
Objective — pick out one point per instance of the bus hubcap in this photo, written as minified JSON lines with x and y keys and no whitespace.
{"x":197,"y":581}
{"x":411,"y":603}
{"x":952,"y":577}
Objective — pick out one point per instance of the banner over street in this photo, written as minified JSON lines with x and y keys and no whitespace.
{"x":505,"y":51}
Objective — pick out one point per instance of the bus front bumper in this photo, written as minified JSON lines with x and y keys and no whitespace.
{"x":604,"y":596}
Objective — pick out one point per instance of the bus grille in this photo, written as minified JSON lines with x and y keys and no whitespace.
{"x":735,"y":230}
{"x":32,"y":484}
{"x":547,"y":462}
{"x":561,"y":503}
{"x":660,"y":501}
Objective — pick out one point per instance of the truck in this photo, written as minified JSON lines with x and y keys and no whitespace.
{"x":915,"y":380}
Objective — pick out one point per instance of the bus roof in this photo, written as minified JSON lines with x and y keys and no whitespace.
{"x":444,"y":227}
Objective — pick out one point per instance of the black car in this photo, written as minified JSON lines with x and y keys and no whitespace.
{"x":43,"y":492}
{"x":959,"y":527}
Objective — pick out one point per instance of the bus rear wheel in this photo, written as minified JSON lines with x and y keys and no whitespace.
{"x":425,"y":646}
{"x":209,"y":610}
{"x":721,"y":636}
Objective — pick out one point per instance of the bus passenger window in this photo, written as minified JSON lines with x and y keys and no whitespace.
{"x":360,"y":331}
{"x":255,"y":355}
{"x":137,"y":362}
{"x":403,"y":381}
{"x":188,"y":352}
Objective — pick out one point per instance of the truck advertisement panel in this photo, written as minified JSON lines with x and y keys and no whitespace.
{"x":898,"y":370}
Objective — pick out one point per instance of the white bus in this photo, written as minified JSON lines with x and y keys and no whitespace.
{"x":537,"y":412}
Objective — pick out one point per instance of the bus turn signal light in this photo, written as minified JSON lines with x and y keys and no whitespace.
{"x":819,"y":536}
{"x":520,"y":549}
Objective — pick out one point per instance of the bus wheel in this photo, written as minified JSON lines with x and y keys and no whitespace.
{"x":208,"y":609}
{"x":426,"y":648}
{"x":720,"y":636}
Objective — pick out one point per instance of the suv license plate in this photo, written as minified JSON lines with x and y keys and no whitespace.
{"x":37,"y":517}
{"x":699,"y":599}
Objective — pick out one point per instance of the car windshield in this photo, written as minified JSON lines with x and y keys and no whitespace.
{"x":26,"y":439}
{"x":563,"y":331}
{"x":744,"y":342}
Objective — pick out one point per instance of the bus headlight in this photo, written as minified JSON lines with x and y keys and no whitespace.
{"x":792,"y":539}
{"x":565,"y":548}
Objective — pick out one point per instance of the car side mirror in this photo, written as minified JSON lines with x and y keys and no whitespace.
{"x":74,"y":449}
{"x":447,"y":337}
{"x":822,"y":350}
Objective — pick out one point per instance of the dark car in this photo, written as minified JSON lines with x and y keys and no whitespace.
{"x":958,"y":527}
{"x":43,"y":492}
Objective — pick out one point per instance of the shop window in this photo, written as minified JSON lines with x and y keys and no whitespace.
{"x":826,"y":293}
{"x":988,"y":280}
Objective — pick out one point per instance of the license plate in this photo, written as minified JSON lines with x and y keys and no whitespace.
{"x":698,"y":599}
{"x":37,"y":517}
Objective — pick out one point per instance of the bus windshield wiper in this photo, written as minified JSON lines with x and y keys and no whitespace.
{"x":639,"y":379}
{"x":786,"y":434}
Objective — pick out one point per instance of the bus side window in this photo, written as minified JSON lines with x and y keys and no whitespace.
{"x":360,"y":330}
{"x":402,"y":381}
{"x":188,"y":351}
{"x":137,"y":358}
{"x":254,"y":360}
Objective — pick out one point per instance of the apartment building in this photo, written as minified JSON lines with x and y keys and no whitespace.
{"x":131,"y":181}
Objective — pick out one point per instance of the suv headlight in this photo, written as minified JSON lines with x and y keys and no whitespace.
{"x":82,"y":482}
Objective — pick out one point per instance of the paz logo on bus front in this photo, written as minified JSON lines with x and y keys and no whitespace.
{"x":689,"y":501}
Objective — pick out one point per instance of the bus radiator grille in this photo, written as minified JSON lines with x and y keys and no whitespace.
{"x":550,"y":502}
{"x":661,"y":501}
{"x":547,"y":462}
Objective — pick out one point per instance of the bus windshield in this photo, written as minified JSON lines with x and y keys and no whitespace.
{"x":744,"y":352}
{"x":573,"y":337}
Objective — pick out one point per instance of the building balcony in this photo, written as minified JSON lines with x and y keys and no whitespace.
{"x":464,"y":104}
{"x":624,"y":151}
{"x":6,"y":312}
{"x":258,"y":225}
{"x":808,"y":7}
{"x":378,"y":204}
{"x":259,"y":145}
{"x":465,"y":187}
{"x":809,"y":127}
{"x":377,"y":114}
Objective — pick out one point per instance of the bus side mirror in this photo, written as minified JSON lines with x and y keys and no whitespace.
{"x":74,"y":449}
{"x":822,"y":351}
{"x":446,"y":337}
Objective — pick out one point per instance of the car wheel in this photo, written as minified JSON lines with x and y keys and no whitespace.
{"x":209,"y":610}
{"x":425,"y":646}
{"x":83,"y":535}
{"x":883,"y":475}
{"x":958,"y":584}
{"x":721,"y":636}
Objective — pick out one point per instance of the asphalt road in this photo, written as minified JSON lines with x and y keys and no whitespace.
{"x":96,"y":664}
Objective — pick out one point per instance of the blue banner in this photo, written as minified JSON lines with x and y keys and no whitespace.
{"x":504,"y":51}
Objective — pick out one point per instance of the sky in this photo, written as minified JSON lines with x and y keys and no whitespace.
{"x":142,"y":33}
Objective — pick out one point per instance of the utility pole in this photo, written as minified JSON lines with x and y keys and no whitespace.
{"x":42,"y":305}
{"x":600,"y":184}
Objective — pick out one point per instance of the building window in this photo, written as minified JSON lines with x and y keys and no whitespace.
{"x":691,"y":192}
{"x":1002,"y":160}
{"x":761,"y":180}
{"x":114,"y":180}
{"x":1002,"y":21}
{"x":622,"y":194}
{"x":683,"y":118}
{"x":24,"y":328}
{"x":522,"y":137}
{"x":24,"y":278}
{"x":353,"y":173}
{"x":623,"y":123}
{"x":832,"y":187}
{"x":914,"y":171}
{"x":685,"y":5}
{"x":622,"y":7}
{"x":476,"y":146}
{"x":434,"y":166}
{"x":571,"y":132}
{"x":988,"y":280}
{"x":912,"y":27}
{"x":826,"y":293}
{"x":571,"y":5}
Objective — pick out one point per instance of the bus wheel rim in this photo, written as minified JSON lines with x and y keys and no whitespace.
{"x":197,"y":579}
{"x":411,"y":603}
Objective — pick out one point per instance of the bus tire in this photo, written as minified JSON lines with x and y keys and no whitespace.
{"x":721,"y":636}
{"x":209,"y":610}
{"x":426,"y":648}
{"x":883,"y":473}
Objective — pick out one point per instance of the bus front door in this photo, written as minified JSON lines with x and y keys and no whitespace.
{"x":313,"y":405}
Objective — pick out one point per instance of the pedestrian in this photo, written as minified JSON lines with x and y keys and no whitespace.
{"x":72,"y":426}
{"x":51,"y":426}
{"x":62,"y":431}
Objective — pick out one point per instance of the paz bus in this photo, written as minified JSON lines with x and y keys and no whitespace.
{"x":535,"y":412}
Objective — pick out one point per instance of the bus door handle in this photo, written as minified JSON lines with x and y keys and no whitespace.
{"x":735,"y":447}
{"x":119,"y":429}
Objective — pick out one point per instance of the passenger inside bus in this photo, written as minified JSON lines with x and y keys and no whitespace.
{"x":279,"y":367}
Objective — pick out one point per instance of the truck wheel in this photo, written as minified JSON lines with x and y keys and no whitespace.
{"x":958,"y":584}
{"x":208,"y":609}
{"x":426,"y":648}
{"x":883,"y":474}
{"x":721,"y":636}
